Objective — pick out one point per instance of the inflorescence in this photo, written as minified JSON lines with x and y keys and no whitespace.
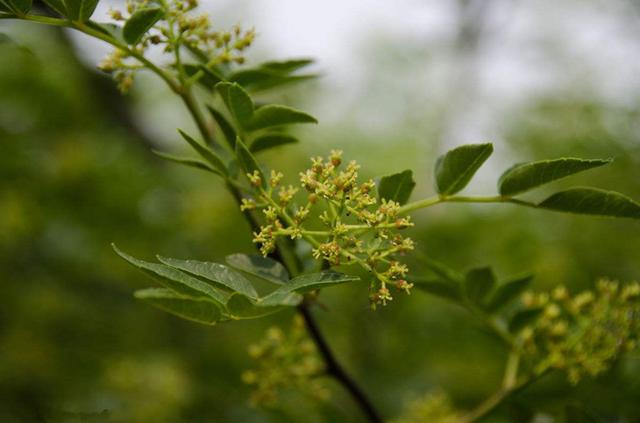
{"x":357,"y":228}
{"x":584,"y":334}
{"x":177,"y":29}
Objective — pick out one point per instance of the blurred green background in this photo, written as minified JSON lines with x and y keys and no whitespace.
{"x":76,"y":173}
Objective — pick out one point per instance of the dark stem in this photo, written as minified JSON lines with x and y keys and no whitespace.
{"x":335,"y":369}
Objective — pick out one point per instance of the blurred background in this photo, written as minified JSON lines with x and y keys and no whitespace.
{"x":401,"y":83}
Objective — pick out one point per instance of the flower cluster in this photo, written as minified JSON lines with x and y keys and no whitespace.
{"x":582,"y":334}
{"x":285,"y":362}
{"x":434,"y":407}
{"x":177,"y":29}
{"x":356,"y":227}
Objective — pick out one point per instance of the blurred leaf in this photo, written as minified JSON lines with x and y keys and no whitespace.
{"x":268,"y":141}
{"x":525,"y":176}
{"x":508,"y":292}
{"x":276,"y":115}
{"x":478,"y":283}
{"x":19,"y":7}
{"x":219,"y":274}
{"x":241,"y":307}
{"x":172,"y":278}
{"x":206,"y":153}
{"x":455,"y":169}
{"x":187,"y":162}
{"x":262,"y":267}
{"x":576,"y":413}
{"x":444,"y":288}
{"x":80,"y":10}
{"x":264,"y":79}
{"x":57,"y":5}
{"x":198,"y":310}
{"x":140,"y":22}
{"x":210,"y":77}
{"x":523,"y":318}
{"x":4,"y":8}
{"x":224,"y":125}
{"x":112,"y":30}
{"x":248,"y":162}
{"x":397,"y":187}
{"x":237,"y":101}
{"x":286,"y":66}
{"x":592,"y":201}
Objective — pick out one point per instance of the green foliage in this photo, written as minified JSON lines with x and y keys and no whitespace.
{"x":592,"y":201}
{"x":274,"y":115}
{"x":57,"y":5}
{"x":526,"y":176}
{"x":206,"y":153}
{"x":262,"y":267}
{"x":195,"y":163}
{"x":270,"y":75}
{"x":269,"y":141}
{"x":19,"y":7}
{"x":478,"y":283}
{"x":396,"y":187}
{"x":508,"y":292}
{"x":217,"y":274}
{"x":238,"y":102}
{"x":80,"y":10}
{"x":196,"y":309}
{"x":455,"y":169}
{"x":225,"y":127}
{"x":140,"y":23}
{"x":250,"y":165}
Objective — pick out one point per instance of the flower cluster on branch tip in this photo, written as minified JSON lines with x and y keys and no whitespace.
{"x":177,"y":28}
{"x":582,"y":335}
{"x":356,"y":228}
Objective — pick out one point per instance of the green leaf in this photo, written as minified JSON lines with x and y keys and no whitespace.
{"x":397,"y":187}
{"x":112,"y":30}
{"x":210,"y":77}
{"x":525,"y":176}
{"x":198,"y":310}
{"x":263,"y":79}
{"x":268,"y":141}
{"x":508,"y":292}
{"x":524,"y":318}
{"x":248,"y":162}
{"x":206,"y":153}
{"x":238,"y":102}
{"x":140,"y":23}
{"x":443,"y":288}
{"x":478,"y":283}
{"x":276,"y":115}
{"x":80,"y":10}
{"x":224,"y":125}
{"x":19,"y":7}
{"x":312,"y":281}
{"x":262,"y":267}
{"x":592,"y":201}
{"x":286,"y":66}
{"x":455,"y":169}
{"x":195,"y":163}
{"x":57,"y":5}
{"x":241,"y":307}
{"x":173,"y":279}
{"x":281,"y":298}
{"x":220,"y":275}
